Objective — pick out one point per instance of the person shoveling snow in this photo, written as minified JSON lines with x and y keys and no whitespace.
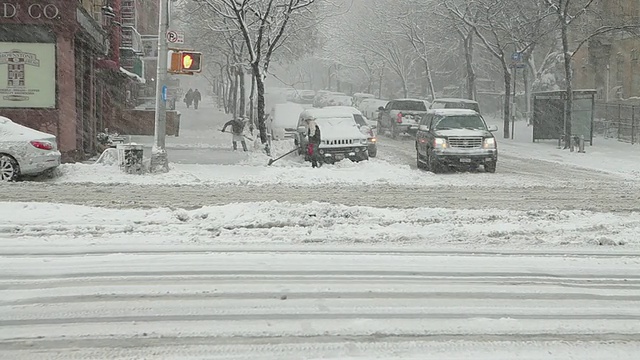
{"x":237,"y":129}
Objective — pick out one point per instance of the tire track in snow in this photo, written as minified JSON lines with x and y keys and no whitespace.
{"x":290,"y":305}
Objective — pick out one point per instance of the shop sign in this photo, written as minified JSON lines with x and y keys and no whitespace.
{"x":27,"y":75}
{"x":35,"y":11}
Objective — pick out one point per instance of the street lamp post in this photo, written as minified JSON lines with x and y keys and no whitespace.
{"x":159,"y":158}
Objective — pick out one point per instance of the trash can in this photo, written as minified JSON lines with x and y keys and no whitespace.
{"x":130,"y":158}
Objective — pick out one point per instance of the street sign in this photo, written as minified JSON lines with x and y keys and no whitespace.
{"x":180,"y":39}
{"x":172,"y":37}
{"x":164,"y":93}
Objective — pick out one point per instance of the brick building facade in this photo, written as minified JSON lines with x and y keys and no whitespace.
{"x":610,"y":63}
{"x":72,"y":67}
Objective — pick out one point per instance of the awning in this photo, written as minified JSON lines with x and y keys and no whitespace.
{"x":132,"y":75}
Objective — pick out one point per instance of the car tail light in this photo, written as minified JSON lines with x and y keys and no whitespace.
{"x":399,"y":118}
{"x":42,"y":145}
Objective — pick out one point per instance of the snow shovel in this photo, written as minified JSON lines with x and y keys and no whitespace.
{"x":245,"y":136}
{"x":271,"y":161}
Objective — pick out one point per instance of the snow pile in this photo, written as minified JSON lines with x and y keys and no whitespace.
{"x":253,"y":171}
{"x":606,"y":155}
{"x":45,"y":224}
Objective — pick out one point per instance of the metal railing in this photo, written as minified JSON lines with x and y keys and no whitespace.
{"x":617,"y":121}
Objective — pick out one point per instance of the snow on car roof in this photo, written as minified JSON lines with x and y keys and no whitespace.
{"x":453,"y":112}
{"x":343,"y":109}
{"x":456,"y":100}
{"x":330,"y":111}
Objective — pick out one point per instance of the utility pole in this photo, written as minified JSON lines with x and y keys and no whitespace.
{"x":159,"y":158}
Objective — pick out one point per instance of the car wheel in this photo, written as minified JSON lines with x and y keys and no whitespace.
{"x":9,"y":168}
{"x":373,"y":152}
{"x":421,"y":165}
{"x":434,"y":165}
{"x":490,"y":167}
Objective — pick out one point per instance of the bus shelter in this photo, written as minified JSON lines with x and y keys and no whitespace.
{"x":549,"y":114}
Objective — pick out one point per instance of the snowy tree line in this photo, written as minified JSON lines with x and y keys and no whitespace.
{"x":394,"y":48}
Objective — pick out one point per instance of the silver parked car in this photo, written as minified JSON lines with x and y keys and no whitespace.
{"x":25,"y":151}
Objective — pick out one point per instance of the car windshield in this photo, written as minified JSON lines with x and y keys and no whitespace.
{"x":360,"y":120}
{"x":456,"y":105}
{"x":409,"y":105}
{"x":473,"y":122}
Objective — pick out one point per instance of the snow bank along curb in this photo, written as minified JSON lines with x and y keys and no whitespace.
{"x":43,"y":225}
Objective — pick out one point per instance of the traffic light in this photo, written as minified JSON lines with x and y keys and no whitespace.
{"x":185,"y":62}
{"x":190,"y":61}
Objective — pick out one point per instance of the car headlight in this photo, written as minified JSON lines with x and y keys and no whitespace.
{"x":489,"y":143}
{"x":440,"y":143}
{"x":373,"y":139}
{"x":364,"y":142}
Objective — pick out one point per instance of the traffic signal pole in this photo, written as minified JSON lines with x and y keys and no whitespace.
{"x":159,"y":158}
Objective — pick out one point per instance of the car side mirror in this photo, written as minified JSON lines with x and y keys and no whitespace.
{"x":423,"y":128}
{"x":302,"y":129}
{"x":374,"y":126}
{"x":493,"y":128}
{"x":381,"y":108}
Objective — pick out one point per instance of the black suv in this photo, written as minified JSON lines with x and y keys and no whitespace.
{"x":455,"y":138}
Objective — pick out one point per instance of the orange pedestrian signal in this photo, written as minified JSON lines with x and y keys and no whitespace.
{"x":190,"y":61}
{"x":185,"y":62}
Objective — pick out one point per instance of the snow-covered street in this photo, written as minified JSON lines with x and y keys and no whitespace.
{"x":225,"y":257}
{"x":206,"y":172}
{"x":318,"y":304}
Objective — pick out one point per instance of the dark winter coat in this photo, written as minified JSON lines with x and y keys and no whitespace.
{"x":315,"y":138}
{"x":188,"y":97}
{"x":196,"y":96}
{"x":237,"y":126}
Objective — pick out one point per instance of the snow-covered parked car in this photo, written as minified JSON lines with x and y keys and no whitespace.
{"x":284,"y":120}
{"x":454,"y":103}
{"x":341,"y":138}
{"x":359,"y":97}
{"x":365,"y":125}
{"x":305,"y":97}
{"x":369,"y":108}
{"x":25,"y":151}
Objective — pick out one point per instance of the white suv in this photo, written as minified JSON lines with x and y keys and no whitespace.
{"x":340,"y":136}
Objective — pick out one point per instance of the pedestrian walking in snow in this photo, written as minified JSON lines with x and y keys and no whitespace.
{"x":196,"y":99}
{"x":237,"y":129}
{"x":188,"y":98}
{"x":313,"y":132}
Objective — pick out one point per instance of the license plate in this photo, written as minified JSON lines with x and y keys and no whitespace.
{"x":339,"y":157}
{"x":465,"y":160}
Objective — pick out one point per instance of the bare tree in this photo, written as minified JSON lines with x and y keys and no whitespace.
{"x":263,"y":25}
{"x":568,"y":13}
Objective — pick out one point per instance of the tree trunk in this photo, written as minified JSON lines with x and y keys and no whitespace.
{"x":471,"y":75}
{"x":405,"y":89}
{"x":262,"y":127}
{"x":427,"y":68}
{"x":243,"y":92}
{"x":381,"y":78}
{"x":507,"y":100}
{"x":236,"y":88}
{"x":527,"y":90}
{"x":568,"y":76}
{"x":252,"y":101}
{"x":230,"y":92}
